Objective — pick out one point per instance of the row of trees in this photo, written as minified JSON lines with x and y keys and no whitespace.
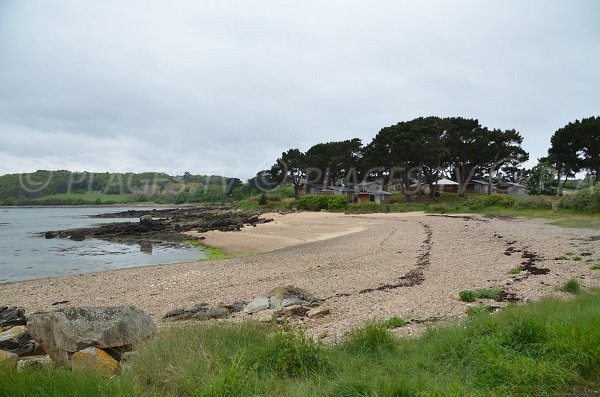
{"x":419,"y":151}
{"x":24,"y":188}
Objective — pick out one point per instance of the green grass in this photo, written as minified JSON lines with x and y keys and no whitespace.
{"x":484,"y":293}
{"x":572,"y":286}
{"x":578,"y":222}
{"x":394,"y":322}
{"x":595,"y":267}
{"x":59,"y":382}
{"x":576,"y":258}
{"x":476,"y":310}
{"x":515,"y":270}
{"x":542,"y":349}
{"x":212,"y":253}
{"x":83,"y":198}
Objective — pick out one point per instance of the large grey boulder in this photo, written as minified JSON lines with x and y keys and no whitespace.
{"x":65,"y":331}
{"x":257,"y":304}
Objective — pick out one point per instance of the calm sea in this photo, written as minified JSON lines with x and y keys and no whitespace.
{"x":23,"y":255}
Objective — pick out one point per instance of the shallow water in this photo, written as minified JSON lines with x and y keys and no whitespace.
{"x":24,"y":256}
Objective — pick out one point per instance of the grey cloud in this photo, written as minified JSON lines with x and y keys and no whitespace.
{"x":226,"y":87}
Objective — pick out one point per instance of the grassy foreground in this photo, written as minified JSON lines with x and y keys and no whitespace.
{"x":542,"y":349}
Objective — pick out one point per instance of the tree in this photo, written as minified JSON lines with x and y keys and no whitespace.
{"x":503,"y":147}
{"x":415,"y":149}
{"x":454,"y":145}
{"x":467,"y":144}
{"x":542,"y":180}
{"x":331,"y":162}
{"x":576,"y":147}
{"x":289,"y":167}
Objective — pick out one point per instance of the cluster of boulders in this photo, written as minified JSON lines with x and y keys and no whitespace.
{"x":97,"y":339}
{"x":15,"y":341}
{"x":92,"y":339}
{"x":278,"y":304}
{"x":282,"y":302}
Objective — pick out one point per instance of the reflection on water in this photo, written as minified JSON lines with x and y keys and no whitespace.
{"x":146,"y":247}
{"x":24,"y":256}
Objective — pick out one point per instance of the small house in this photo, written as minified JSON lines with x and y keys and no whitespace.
{"x":479,"y":186}
{"x":367,"y":186}
{"x":512,"y":189}
{"x":372,"y":196}
{"x":446,"y":185}
{"x":345,"y":191}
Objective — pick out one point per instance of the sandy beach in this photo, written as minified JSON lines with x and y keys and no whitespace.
{"x":365,"y":266}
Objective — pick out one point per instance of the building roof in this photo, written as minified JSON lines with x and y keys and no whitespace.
{"x":513,"y":184}
{"x":480,"y":182}
{"x":341,"y":188}
{"x":373,"y":192}
{"x":445,"y":181}
{"x":380,"y":192}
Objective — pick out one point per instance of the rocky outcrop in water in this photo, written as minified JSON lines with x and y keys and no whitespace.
{"x":166,"y":225}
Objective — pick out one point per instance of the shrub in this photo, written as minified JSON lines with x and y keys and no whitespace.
{"x":263,"y":200}
{"x":336,"y":202}
{"x":494,"y":200}
{"x":533,"y":203}
{"x":585,"y":200}
{"x":572,"y":286}
{"x":320,"y":202}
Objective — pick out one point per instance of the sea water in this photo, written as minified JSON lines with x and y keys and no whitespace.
{"x":24,"y":255}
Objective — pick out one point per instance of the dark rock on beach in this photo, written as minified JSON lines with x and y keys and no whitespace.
{"x":203,"y":311}
{"x":11,"y":316}
{"x":17,"y":340}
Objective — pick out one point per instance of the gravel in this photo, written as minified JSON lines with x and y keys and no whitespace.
{"x":362,"y":275}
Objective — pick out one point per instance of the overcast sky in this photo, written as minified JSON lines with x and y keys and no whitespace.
{"x":224,"y":87}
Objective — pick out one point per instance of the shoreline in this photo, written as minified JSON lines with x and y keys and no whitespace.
{"x":359,"y":264}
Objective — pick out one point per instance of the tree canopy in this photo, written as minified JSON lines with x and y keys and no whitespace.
{"x":576,"y":147}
